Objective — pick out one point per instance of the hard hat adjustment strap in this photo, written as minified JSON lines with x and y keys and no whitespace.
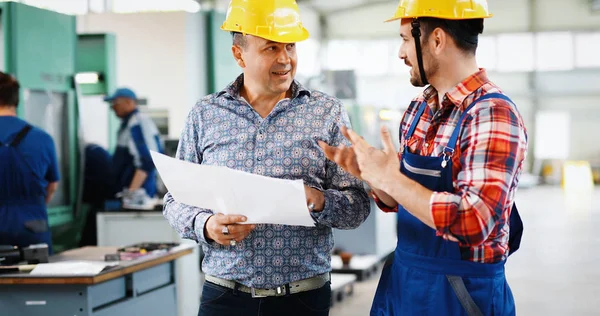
{"x":416,"y":33}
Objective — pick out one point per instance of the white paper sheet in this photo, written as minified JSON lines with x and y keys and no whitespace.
{"x":263,"y":200}
{"x":71,"y":268}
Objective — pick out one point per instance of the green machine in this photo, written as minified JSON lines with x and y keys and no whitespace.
{"x":96,"y":77}
{"x":42,"y":50}
{"x":222,"y":68}
{"x":39,"y":50}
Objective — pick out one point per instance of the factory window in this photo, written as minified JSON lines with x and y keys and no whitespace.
{"x":308,"y":57}
{"x":374,"y":58}
{"x":97,"y":6}
{"x":515,"y":52}
{"x":554,"y":51}
{"x":587,"y":50}
{"x":397,"y":66}
{"x":487,"y":52}
{"x":342,"y":54}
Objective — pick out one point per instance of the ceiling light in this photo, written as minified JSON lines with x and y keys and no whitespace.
{"x":128,"y":6}
{"x":88,"y":77}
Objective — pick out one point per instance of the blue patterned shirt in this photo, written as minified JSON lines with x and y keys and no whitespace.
{"x":224,"y":130}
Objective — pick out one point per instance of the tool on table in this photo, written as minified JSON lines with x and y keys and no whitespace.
{"x":139,"y":250}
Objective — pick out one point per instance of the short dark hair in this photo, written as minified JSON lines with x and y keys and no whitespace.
{"x":239,"y":39}
{"x":464,"y":32}
{"x":9,"y":90}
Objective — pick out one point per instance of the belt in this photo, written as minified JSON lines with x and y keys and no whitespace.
{"x":309,"y":284}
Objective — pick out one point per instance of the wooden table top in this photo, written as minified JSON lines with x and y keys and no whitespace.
{"x":97,"y":254}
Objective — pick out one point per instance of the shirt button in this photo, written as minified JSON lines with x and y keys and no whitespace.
{"x":260,"y":131}
{"x":259,"y":159}
{"x":426,"y":145}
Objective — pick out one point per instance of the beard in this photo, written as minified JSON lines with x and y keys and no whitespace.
{"x":430,"y":66}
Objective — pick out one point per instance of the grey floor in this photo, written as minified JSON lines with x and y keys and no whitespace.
{"x":557,"y":269}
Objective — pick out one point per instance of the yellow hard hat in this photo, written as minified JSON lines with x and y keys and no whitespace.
{"x":275,"y":20}
{"x":442,"y":9}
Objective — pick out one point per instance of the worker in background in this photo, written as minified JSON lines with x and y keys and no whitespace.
{"x":267,"y":123}
{"x":98,"y":187}
{"x":462,"y":149}
{"x":132,"y":163}
{"x":28,"y":173}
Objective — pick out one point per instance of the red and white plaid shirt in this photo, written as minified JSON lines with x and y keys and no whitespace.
{"x":487,"y":163}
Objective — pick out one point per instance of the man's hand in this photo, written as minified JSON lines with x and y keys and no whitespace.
{"x":314,"y":198}
{"x":343,"y":156}
{"x":213,"y":229}
{"x":377,"y":167}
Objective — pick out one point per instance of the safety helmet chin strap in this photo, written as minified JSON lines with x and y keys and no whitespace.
{"x":416,"y":33}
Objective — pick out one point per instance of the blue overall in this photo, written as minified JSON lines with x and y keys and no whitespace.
{"x":23,"y":215}
{"x":427,"y":275}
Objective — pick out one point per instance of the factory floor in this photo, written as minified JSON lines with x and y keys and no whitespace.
{"x":557,"y":269}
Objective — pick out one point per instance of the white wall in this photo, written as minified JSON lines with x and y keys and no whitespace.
{"x":159,"y":55}
{"x":196,"y":60}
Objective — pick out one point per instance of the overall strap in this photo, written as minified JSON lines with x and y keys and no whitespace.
{"x":20,"y":135}
{"x":416,"y":120}
{"x":454,"y":138}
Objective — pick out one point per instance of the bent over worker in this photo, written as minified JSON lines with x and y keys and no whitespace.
{"x":28,"y":173}
{"x":132,"y":163}
{"x":267,"y":123}
{"x":462,"y":148}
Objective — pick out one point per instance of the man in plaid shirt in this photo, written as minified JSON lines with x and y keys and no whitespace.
{"x":463,"y":143}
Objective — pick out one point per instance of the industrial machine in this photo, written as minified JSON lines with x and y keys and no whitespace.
{"x":34,"y":254}
{"x":47,"y":91}
{"x":96,"y":77}
{"x":42,"y":50}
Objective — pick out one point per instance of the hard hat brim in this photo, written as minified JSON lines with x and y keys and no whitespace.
{"x":395,"y":18}
{"x":287,"y":37}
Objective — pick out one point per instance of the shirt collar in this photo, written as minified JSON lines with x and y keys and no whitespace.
{"x":460,"y":92}
{"x":233,"y":89}
{"x":126,"y":119}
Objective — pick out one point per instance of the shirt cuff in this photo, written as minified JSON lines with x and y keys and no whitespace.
{"x":382,"y":205}
{"x":199,"y":224}
{"x":321,"y":217}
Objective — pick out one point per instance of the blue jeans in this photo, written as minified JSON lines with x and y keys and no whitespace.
{"x":221,"y":301}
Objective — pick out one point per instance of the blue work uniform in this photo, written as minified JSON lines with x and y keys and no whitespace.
{"x":428,"y":276}
{"x":99,"y":177}
{"x":27,"y":165}
{"x":136,"y":137}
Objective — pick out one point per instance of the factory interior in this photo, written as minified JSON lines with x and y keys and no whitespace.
{"x":72,"y":58}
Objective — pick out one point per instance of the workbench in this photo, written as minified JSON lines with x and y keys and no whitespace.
{"x":114,"y":229}
{"x":143,"y":286}
{"x":364,"y":267}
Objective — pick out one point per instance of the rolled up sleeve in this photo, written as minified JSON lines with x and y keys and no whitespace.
{"x":494,"y":142}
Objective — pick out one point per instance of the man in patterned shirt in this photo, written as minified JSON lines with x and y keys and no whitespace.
{"x":267,"y":123}
{"x":463,"y":144}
